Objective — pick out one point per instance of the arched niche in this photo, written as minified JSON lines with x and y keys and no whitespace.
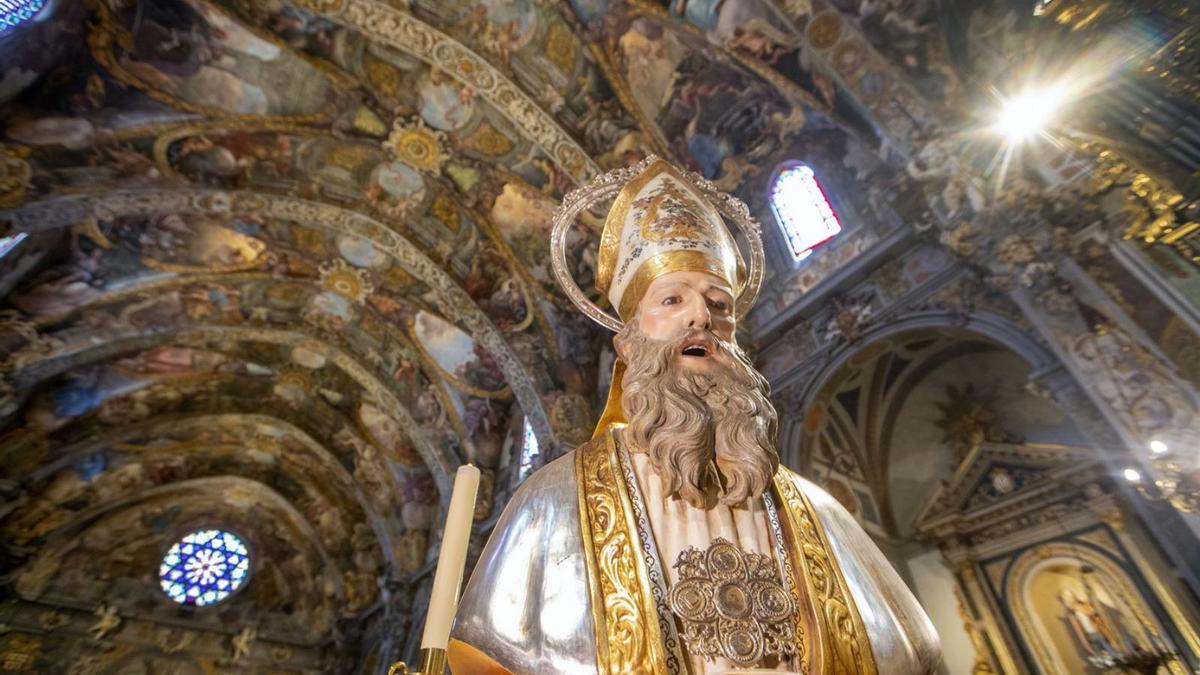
{"x":894,"y":418}
{"x":1071,"y":602}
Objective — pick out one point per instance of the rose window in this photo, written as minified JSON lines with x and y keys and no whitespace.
{"x":204,"y":567}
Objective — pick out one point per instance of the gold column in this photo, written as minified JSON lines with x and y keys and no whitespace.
{"x":1002,"y":657}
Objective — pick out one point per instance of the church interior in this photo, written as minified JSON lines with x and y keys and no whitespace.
{"x":272,"y":270}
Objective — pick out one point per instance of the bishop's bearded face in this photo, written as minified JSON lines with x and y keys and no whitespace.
{"x":709,"y":428}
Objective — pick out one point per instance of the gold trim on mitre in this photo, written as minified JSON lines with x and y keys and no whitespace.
{"x":670,"y":261}
{"x":675,"y":228}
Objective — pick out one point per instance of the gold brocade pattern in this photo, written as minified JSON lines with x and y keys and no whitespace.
{"x":671,"y":213}
{"x":843,"y":642}
{"x":627,"y":634}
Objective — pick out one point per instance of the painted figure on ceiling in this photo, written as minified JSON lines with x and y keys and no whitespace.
{"x":749,"y":24}
{"x":673,"y":541}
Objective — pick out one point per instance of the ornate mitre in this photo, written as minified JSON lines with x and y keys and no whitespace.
{"x":662,"y":220}
{"x":662,"y":223}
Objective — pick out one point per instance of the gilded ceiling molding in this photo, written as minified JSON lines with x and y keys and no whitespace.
{"x":453,"y":302}
{"x":403,"y":31}
{"x":244,"y":425}
{"x":65,"y":357}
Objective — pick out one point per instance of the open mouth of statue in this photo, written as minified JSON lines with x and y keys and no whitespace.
{"x":697,"y":349}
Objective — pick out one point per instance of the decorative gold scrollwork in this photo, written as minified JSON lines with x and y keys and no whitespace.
{"x":843,"y":638}
{"x":627,"y":634}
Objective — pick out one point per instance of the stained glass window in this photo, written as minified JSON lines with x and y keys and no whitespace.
{"x":10,"y":242}
{"x":529,"y":451}
{"x":803,"y":211}
{"x":15,"y":12}
{"x":204,"y":567}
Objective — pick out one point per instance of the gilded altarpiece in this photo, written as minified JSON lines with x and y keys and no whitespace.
{"x":1055,"y":578}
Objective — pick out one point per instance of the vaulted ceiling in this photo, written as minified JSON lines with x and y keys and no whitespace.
{"x":290,"y":263}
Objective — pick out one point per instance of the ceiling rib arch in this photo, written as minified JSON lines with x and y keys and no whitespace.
{"x":426,"y":365}
{"x":804,"y":386}
{"x":401,"y":30}
{"x":120,"y":494}
{"x":214,"y":485}
{"x":453,"y":301}
{"x":440,"y":464}
{"x":180,"y":423}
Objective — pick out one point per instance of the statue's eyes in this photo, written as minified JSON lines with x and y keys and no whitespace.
{"x":718,"y":304}
{"x":671,"y":300}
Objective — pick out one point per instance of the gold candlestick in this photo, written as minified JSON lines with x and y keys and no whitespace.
{"x":433,"y":662}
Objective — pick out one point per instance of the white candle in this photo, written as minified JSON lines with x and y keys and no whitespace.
{"x":447,"y":580}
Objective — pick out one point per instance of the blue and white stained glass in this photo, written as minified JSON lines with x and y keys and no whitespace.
{"x":16,"y":12}
{"x":10,"y":242}
{"x":204,"y":567}
{"x":803,"y":211}
{"x":529,"y":451}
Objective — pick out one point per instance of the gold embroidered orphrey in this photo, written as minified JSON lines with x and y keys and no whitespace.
{"x":732,"y":604}
{"x":832,"y":638}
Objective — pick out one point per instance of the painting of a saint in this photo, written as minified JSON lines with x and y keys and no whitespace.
{"x":1085,"y":617}
{"x":714,"y":113}
{"x":1089,"y":625}
{"x":196,"y":53}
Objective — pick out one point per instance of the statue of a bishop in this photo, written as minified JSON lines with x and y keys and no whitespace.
{"x":673,"y":541}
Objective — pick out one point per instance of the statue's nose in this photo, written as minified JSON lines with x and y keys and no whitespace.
{"x":700,"y":316}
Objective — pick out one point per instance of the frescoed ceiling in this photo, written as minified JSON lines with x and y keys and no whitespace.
{"x":302,"y":266}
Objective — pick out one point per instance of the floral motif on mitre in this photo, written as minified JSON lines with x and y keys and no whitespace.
{"x":662,"y":222}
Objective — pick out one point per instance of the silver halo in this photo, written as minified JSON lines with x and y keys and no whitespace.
{"x":606,"y":185}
